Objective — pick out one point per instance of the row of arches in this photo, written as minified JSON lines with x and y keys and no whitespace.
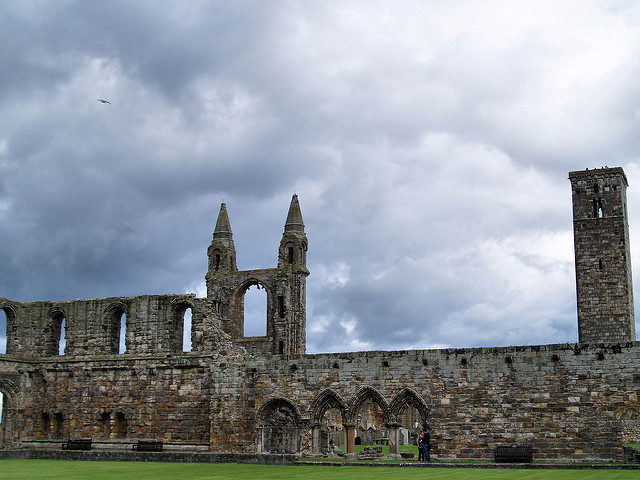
{"x":52,"y":425}
{"x":338,"y":423}
{"x":253,"y":300}
{"x":114,"y":328}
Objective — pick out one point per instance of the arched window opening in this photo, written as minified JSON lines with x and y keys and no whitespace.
{"x":290,"y":254}
{"x":122,"y":340}
{"x":597,"y":208}
{"x":255,"y":311}
{"x":186,"y":330}
{"x":280,"y":428}
{"x":3,"y":331}
{"x":218,"y":256}
{"x":55,"y":334}
{"x":120,"y":425}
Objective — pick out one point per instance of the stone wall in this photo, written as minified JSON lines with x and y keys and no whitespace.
{"x":568,"y":401}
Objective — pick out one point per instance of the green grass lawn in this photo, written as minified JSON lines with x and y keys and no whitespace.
{"x":60,"y":469}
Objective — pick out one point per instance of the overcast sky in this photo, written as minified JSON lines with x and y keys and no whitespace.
{"x":429,"y":144}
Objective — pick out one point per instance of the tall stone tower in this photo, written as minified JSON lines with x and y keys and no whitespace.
{"x":603,"y":263}
{"x":291,"y":320}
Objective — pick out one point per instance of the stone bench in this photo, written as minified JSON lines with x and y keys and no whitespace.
{"x":513,"y":454}
{"x":148,"y":446}
{"x":77,"y":444}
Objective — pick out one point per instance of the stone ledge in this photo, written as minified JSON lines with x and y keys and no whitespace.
{"x":131,"y":456}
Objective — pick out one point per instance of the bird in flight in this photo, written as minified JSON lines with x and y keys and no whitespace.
{"x":104,"y":101}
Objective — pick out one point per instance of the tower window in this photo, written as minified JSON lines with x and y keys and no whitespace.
{"x":597,"y":208}
{"x":600,"y":264}
{"x":280,"y":347}
{"x":217,"y":261}
{"x":290,"y":254}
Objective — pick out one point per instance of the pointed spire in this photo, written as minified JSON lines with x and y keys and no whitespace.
{"x":294,"y":217}
{"x":223,"y":227}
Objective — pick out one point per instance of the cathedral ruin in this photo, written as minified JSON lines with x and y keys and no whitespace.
{"x":233,"y":393}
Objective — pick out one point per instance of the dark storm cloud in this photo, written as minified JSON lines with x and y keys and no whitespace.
{"x":429,"y":145}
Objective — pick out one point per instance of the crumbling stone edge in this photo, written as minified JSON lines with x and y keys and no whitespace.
{"x":277,"y":459}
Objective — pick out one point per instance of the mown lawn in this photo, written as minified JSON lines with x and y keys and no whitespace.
{"x":60,"y":469}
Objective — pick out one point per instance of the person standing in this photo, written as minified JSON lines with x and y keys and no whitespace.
{"x":426,"y":445}
{"x":420,"y":448}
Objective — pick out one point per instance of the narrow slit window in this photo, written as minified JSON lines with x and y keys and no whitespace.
{"x":600,"y":264}
{"x":62,"y":344}
{"x":595,"y":188}
{"x":290,"y":254}
{"x":122,"y":344}
{"x":3,"y":330}
{"x":46,"y":424}
{"x":281,"y":306}
{"x":600,"y":211}
{"x":281,"y":347}
{"x":57,"y":425}
{"x":217,"y":261}
{"x":186,"y":330}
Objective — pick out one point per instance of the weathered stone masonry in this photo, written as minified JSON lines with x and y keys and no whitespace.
{"x":264,"y":394}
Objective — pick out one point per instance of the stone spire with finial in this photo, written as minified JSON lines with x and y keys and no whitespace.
{"x":294,"y":221}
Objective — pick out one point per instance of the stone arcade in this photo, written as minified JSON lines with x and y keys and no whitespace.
{"x":264,"y":394}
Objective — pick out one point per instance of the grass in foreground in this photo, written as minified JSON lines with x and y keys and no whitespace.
{"x":60,"y":469}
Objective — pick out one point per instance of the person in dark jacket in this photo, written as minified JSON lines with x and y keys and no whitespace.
{"x":420,"y":448}
{"x":426,"y":445}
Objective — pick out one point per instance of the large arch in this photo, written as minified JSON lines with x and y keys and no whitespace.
{"x":53,"y":331}
{"x":325,"y":400}
{"x":280,"y":425}
{"x":363,"y":395}
{"x":237,"y":306}
{"x":9,"y":391}
{"x":112,"y":327}
{"x":409,"y":398}
{"x":324,"y":432}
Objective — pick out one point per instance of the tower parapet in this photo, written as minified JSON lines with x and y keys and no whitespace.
{"x":602,"y":259}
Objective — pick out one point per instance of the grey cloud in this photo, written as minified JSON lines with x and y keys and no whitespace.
{"x":429,"y":148}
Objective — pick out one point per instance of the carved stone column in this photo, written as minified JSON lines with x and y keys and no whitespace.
{"x":394,"y":438}
{"x":351,"y":437}
{"x":315,"y":438}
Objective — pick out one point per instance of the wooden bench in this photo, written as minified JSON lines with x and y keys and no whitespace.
{"x":148,"y":446}
{"x":513,"y":454}
{"x":77,"y":444}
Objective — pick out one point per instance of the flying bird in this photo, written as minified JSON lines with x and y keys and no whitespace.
{"x":104,"y":101}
